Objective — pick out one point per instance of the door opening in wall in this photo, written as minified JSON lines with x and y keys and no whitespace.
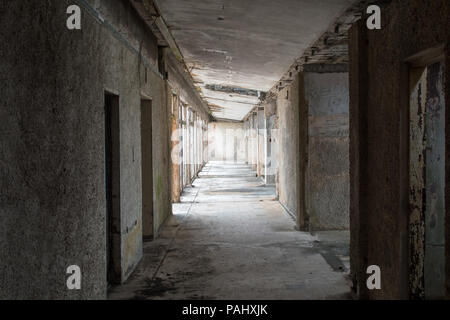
{"x":147,"y":169}
{"x":112,"y":177}
{"x":427,"y":177}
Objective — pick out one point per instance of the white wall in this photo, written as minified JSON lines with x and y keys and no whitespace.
{"x":226,"y":142}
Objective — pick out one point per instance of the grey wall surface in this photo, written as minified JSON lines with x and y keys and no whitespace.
{"x":434,"y":267}
{"x":52,"y":173}
{"x":379,"y":124}
{"x":251,"y":140}
{"x":288,"y":147}
{"x":262,"y":136}
{"x":271,"y":166}
{"x":327,"y":176}
{"x":226,"y":142}
{"x":181,"y":84}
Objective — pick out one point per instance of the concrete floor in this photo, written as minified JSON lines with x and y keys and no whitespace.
{"x":231,"y":239}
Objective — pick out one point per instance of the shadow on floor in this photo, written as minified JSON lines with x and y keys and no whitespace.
{"x":230,"y":239}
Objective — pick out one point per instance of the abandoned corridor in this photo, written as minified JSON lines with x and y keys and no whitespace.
{"x":230,"y":238}
{"x":168,"y":149}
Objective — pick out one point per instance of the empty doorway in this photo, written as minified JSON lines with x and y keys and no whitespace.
{"x":427,"y":178}
{"x":112,"y":177}
{"x":147,"y":169}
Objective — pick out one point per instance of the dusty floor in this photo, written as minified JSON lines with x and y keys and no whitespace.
{"x":231,"y":239}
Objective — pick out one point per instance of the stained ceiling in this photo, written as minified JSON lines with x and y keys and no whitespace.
{"x":237,"y":50}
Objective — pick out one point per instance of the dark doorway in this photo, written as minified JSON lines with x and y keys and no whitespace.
{"x":147,"y":169}
{"x":112,"y":175}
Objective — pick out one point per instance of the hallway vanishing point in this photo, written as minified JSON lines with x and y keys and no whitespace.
{"x":230,"y":238}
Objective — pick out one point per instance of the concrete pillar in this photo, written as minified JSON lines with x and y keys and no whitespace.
{"x":270,"y":110}
{"x":255,"y":150}
{"x":185,"y":133}
{"x":205,"y":143}
{"x":287,"y":102}
{"x":175,"y":154}
{"x":327,"y":171}
{"x":260,"y":140}
{"x":313,"y":113}
{"x":188,"y":146}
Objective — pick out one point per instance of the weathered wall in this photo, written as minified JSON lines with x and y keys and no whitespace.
{"x":181,"y":84}
{"x":379,"y":139}
{"x":251,"y":139}
{"x":180,"y":90}
{"x":327,"y":182}
{"x":288,"y":147}
{"x":262,"y":136}
{"x":247,"y":140}
{"x":271,"y":165}
{"x":52,"y":173}
{"x":426,"y":180}
{"x":254,"y":140}
{"x":434,"y":267}
{"x":226,"y":142}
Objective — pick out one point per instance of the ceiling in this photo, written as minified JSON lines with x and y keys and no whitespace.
{"x":236,"y":49}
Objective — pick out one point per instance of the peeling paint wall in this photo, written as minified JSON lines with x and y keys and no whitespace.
{"x":435,"y":183}
{"x":427,"y":187}
{"x":416,"y":183}
{"x":182,"y":91}
{"x":380,"y":203}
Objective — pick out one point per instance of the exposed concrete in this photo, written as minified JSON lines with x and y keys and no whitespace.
{"x":227,"y":44}
{"x":226,"y":141}
{"x":330,"y":48}
{"x":381,"y":208}
{"x":312,"y":121}
{"x":254,"y":140}
{"x":229,"y":239}
{"x":251,"y":140}
{"x":271,"y":141}
{"x":179,"y":82}
{"x":53,"y":198}
{"x":176,"y":149}
{"x":327,"y":173}
{"x":288,"y":146}
{"x":262,"y":143}
{"x":188,"y":136}
{"x":230,"y":232}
